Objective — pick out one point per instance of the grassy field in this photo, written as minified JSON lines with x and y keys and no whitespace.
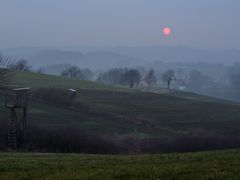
{"x":203,"y":165}
{"x":124,"y":111}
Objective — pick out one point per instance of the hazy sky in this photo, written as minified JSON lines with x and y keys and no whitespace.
{"x":202,"y":23}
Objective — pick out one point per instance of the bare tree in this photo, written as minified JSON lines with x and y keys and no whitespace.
{"x":72,"y":72}
{"x":150,"y":77}
{"x":132,"y":77}
{"x":5,"y":61}
{"x":76,"y":72}
{"x":113,"y":76}
{"x":168,"y":77}
{"x":20,"y":65}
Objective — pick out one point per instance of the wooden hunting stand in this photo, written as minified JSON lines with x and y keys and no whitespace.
{"x":17,"y":123}
{"x":73,"y":94}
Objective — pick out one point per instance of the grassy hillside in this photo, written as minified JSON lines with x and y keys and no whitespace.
{"x":124,"y":111}
{"x":119,"y":113}
{"x":204,"y":165}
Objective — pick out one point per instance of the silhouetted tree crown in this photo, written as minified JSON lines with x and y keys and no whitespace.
{"x":168,"y":77}
{"x":113,"y":76}
{"x":150,"y":77}
{"x":76,"y":72}
{"x":132,"y":77}
{"x":20,"y":65}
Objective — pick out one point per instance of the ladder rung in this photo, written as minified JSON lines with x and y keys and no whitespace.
{"x":12,"y":140}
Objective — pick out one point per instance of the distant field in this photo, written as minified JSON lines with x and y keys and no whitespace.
{"x":204,"y":165}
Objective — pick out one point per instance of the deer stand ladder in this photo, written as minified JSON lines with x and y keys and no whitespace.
{"x":16,"y":125}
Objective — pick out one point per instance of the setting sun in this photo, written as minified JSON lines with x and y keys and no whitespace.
{"x":167,"y":31}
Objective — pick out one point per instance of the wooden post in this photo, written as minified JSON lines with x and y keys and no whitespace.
{"x":22,"y":102}
{"x":74,"y":93}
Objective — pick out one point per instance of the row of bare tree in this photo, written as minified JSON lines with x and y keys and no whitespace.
{"x":132,"y":77}
{"x":14,"y":64}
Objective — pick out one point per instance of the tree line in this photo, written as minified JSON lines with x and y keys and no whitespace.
{"x":118,"y":76}
{"x":8,"y":62}
{"x":189,"y":80}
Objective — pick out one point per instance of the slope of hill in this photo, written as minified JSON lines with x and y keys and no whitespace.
{"x":120,"y":112}
{"x":108,"y":57}
{"x":124,"y":111}
{"x":49,"y":57}
{"x":170,"y":54}
{"x":180,"y":54}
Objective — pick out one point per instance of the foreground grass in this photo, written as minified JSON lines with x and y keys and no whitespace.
{"x":204,"y":165}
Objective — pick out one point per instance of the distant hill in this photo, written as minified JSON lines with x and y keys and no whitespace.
{"x":21,"y":52}
{"x":180,"y":54}
{"x":102,"y":60}
{"x":38,"y":57}
{"x":170,"y":53}
{"x":49,"y":57}
{"x":109,"y":57}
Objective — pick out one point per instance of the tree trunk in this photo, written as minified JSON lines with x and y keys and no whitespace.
{"x":169,"y":81}
{"x":131,"y":85}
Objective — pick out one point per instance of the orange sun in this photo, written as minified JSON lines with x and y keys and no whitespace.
{"x":167,"y":31}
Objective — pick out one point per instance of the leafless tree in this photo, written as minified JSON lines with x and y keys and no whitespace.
{"x":72,"y":72}
{"x":168,"y":77}
{"x":132,"y":77}
{"x":150,"y":77}
{"x":5,"y":61}
{"x":76,"y":72}
{"x":20,"y":65}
